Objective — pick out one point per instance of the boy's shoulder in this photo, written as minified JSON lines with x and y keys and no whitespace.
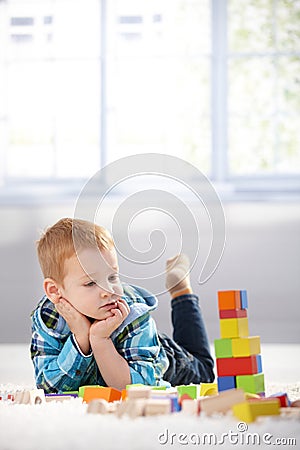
{"x":45,"y":316}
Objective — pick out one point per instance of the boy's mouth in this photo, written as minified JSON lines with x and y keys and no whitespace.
{"x":109,"y":306}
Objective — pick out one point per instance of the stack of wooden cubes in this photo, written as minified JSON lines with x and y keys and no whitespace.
{"x":237,"y":354}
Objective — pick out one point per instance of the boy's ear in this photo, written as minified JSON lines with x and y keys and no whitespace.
{"x":52,"y":290}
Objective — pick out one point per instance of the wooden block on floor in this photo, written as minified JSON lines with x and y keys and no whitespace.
{"x":193,"y":390}
{"x":139,"y":392}
{"x":132,"y":408}
{"x":245,"y":365}
{"x":59,"y":397}
{"x":190,"y":407}
{"x":255,"y":384}
{"x":157,"y":407}
{"x":98,"y":406}
{"x":222,"y":402}
{"x":207,"y":389}
{"x":283,"y":398}
{"x":229,"y":300}
{"x":248,"y":411}
{"x":234,"y":328}
{"x":246,"y":346}
{"x":107,"y":393}
{"x":30,"y":397}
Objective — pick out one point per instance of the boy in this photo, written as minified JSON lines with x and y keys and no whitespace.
{"x":91,"y":329}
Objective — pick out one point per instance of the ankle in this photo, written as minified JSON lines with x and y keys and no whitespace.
{"x":177,"y":293}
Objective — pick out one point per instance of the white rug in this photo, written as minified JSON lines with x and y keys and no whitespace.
{"x":55,"y":426}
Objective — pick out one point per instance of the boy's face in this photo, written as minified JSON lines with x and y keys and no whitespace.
{"x":93,"y":291}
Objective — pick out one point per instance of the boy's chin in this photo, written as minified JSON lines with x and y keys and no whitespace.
{"x":100,"y":317}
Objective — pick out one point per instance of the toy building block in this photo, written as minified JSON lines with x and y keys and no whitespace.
{"x":166,"y":393}
{"x":229,"y":300}
{"x":290,"y":412}
{"x":223,"y":348}
{"x":283,"y":399}
{"x":30,"y":397}
{"x":73,"y":393}
{"x":244,"y":299}
{"x":190,"y":407}
{"x":98,"y":406}
{"x":207,"y":389}
{"x":232,"y":313}
{"x":226,"y":383}
{"x":234,"y":328}
{"x":82,"y":389}
{"x":139,"y":392}
{"x":193,"y":390}
{"x":246,"y":346}
{"x":157,"y":407}
{"x":159,"y":388}
{"x":107,"y":393}
{"x":222,"y":402}
{"x":253,"y":384}
{"x":128,"y":386}
{"x":245,"y":365}
{"x":295,"y":404}
{"x":59,"y":397}
{"x":259,"y":363}
{"x":131,"y":407}
{"x":248,"y":411}
{"x":175,"y":405}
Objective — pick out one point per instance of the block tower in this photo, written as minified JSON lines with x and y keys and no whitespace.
{"x":237,"y":354}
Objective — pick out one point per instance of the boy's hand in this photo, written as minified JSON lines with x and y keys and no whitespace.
{"x":102,"y":329}
{"x":78,"y":323}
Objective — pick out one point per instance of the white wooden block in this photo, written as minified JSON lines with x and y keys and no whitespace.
{"x":139,"y":392}
{"x":36,"y":396}
{"x":131,"y":407}
{"x":155,"y":407}
{"x":191,"y":407}
{"x":98,"y":406}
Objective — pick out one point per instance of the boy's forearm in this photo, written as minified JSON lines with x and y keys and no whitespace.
{"x":113,"y":367}
{"x":84,"y":343}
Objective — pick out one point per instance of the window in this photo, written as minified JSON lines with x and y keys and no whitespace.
{"x":215,"y":82}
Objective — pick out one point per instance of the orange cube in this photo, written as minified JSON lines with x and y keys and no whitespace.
{"x":106,"y":393}
{"x":229,"y":300}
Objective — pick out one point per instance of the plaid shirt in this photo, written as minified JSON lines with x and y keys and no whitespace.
{"x":61,"y":366}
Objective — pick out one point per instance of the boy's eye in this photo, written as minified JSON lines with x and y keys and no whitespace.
{"x":91,"y":283}
{"x":114,"y":277}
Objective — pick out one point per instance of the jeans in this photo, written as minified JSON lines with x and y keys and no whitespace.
{"x":188,"y":352}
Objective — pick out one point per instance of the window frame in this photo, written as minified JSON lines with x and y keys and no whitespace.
{"x":230,"y":187}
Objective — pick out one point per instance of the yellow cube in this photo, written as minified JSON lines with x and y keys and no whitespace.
{"x":246,"y":346}
{"x":234,"y":328}
{"x":248,"y":411}
{"x":207,"y":389}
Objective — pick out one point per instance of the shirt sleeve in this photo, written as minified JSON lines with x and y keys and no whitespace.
{"x":59,"y":366}
{"x":139,"y":344}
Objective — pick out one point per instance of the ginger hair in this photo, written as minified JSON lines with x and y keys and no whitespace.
{"x":56,"y":244}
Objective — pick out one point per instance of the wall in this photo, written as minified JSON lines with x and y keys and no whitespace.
{"x":262,"y":255}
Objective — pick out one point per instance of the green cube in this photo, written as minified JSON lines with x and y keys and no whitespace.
{"x":193,"y":390}
{"x":82,"y":388}
{"x":254,"y":384}
{"x":223,"y":348}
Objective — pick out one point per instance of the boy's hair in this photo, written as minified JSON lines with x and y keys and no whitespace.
{"x":56,"y":245}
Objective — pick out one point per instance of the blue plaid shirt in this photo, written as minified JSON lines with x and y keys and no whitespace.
{"x":61,"y":366}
